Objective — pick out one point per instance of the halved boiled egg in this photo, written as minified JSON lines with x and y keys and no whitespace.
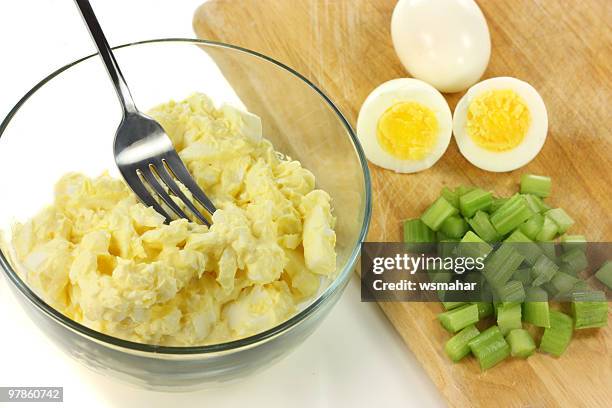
{"x":500,"y":124}
{"x":404,"y":125}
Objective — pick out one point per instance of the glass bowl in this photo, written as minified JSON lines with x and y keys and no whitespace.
{"x":67,"y":123}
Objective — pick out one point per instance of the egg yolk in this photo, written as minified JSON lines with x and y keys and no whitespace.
{"x":498,"y":120}
{"x":407,"y":131}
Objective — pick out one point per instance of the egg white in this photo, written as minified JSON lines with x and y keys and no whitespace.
{"x":387,"y":95}
{"x":526,"y":150}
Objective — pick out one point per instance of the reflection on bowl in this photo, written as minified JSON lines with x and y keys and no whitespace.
{"x":66,"y":123}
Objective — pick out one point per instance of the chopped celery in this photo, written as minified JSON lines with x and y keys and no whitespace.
{"x":418,"y":235}
{"x":454,"y":227}
{"x":475,"y":200}
{"x":489,"y":347}
{"x":560,"y":217}
{"x":563,"y":283}
{"x":485,"y":309}
{"x":532,"y":227}
{"x":534,"y":202}
{"x":501,"y":264}
{"x":482,"y":226}
{"x":511,"y":292}
{"x":536,"y":185}
{"x":472,"y":246}
{"x":446,"y":247}
{"x":511,"y":214}
{"x":509,"y":317}
{"x":557,"y":337}
{"x":548,"y":231}
{"x":604,"y":274}
{"x":457,"y":346}
{"x":451,"y":196}
{"x":521,"y":343}
{"x":497,"y":203}
{"x":456,"y":319}
{"x":543,"y":270}
{"x":569,"y":242}
{"x":590,"y":309}
{"x":452,"y":305}
{"x":524,"y":246}
{"x":535,"y":308}
{"x":435,"y":215}
{"x":574,"y":261}
{"x":462,"y":190}
{"x":549,"y":248}
{"x":523,"y":275}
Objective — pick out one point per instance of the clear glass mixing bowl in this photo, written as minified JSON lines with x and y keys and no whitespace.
{"x":67,"y":123}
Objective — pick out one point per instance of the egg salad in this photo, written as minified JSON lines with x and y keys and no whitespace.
{"x":109,"y":262}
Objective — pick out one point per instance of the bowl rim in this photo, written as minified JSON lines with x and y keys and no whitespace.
{"x":234,"y":345}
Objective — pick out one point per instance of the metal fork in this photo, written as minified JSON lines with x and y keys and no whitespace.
{"x":144,"y":153}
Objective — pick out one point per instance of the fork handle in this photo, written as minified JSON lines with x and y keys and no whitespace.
{"x":105,"y":51}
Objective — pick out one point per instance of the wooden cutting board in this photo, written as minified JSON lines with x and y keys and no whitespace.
{"x":564,"y":49}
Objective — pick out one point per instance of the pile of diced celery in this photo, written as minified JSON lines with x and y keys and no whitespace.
{"x":522,"y":278}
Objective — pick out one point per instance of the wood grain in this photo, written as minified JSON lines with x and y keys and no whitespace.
{"x":564,"y":49}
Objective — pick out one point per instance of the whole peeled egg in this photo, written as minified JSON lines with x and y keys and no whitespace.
{"x":445,"y":43}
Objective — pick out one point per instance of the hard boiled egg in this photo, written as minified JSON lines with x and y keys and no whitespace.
{"x":500,"y":124}
{"x":404,"y":125}
{"x":443,"y":42}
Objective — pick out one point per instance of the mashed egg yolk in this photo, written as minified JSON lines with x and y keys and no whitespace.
{"x":498,"y":120}
{"x":407,"y":131}
{"x":105,"y":260}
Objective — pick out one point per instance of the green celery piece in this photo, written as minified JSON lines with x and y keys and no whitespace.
{"x":574,"y":261}
{"x":501,"y":264}
{"x":472,"y":246}
{"x":521,"y":343}
{"x":563,"y":283}
{"x":590,"y":309}
{"x":475,"y":200}
{"x":435,"y":215}
{"x":511,"y":214}
{"x":482,"y":227}
{"x":561,"y":218}
{"x":457,"y":346}
{"x":536,"y":185}
{"x":418,"y":236}
{"x":446,"y":247}
{"x":543,"y":270}
{"x":532,"y":227}
{"x":509,"y":317}
{"x":524,"y":246}
{"x":452,"y":305}
{"x":462,"y":190}
{"x":485,"y":309}
{"x":437,"y":276}
{"x":549,"y":230}
{"x":497,"y":203}
{"x":523,"y":275}
{"x":456,"y":319}
{"x":557,"y":337}
{"x":535,"y":308}
{"x":549,"y":248}
{"x":534,"y":202}
{"x":604,"y":274}
{"x":489,"y":347}
{"x":451,"y":196}
{"x":454,"y":227}
{"x":512,"y":292}
{"x":569,"y":242}
{"x":550,"y":289}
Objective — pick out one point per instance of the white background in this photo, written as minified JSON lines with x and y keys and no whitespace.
{"x":355,"y":359}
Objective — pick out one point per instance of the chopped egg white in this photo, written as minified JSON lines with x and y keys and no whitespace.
{"x":104,"y":259}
